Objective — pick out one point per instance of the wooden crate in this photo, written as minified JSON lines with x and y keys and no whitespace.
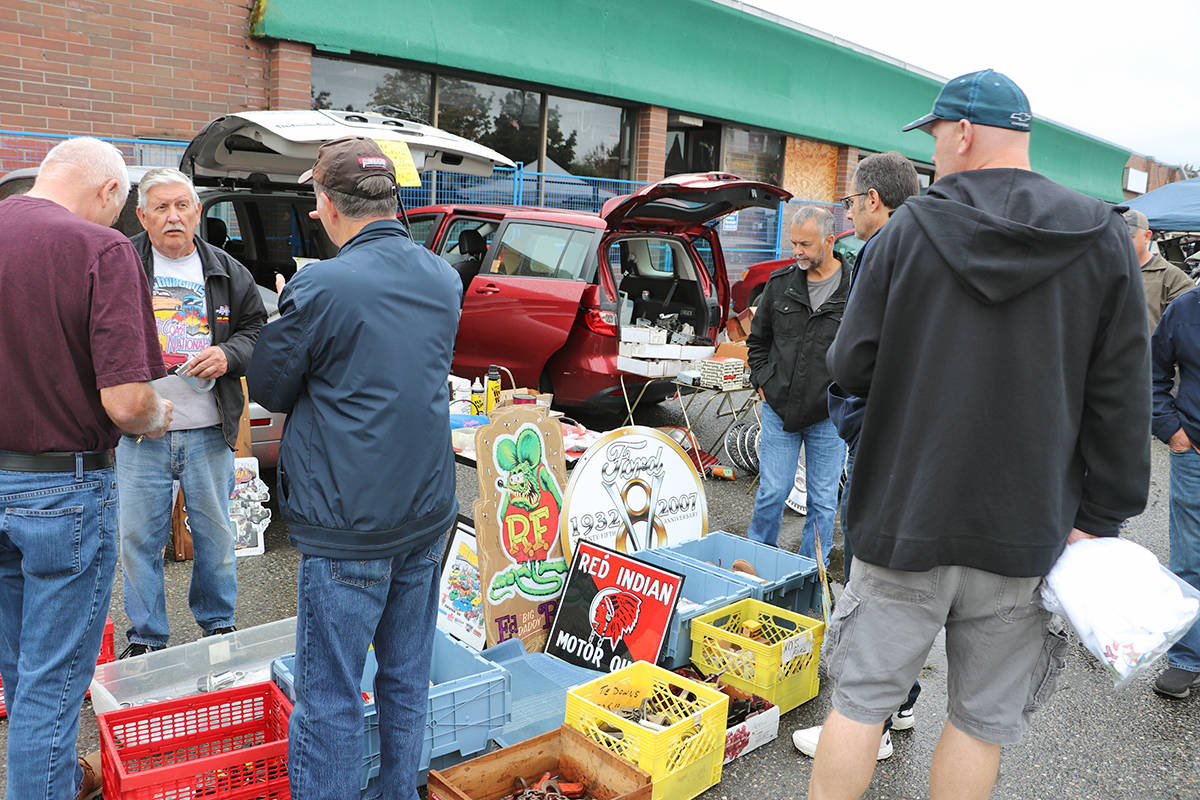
{"x":564,"y":752}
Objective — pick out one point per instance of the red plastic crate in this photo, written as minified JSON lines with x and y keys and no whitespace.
{"x":226,"y":745}
{"x":108,"y":653}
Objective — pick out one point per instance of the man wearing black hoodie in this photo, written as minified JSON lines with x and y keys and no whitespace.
{"x":1000,"y":340}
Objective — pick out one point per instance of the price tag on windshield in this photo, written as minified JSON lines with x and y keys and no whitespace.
{"x":406,"y":170}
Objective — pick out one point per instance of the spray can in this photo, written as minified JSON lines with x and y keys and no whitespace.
{"x":493,"y":387}
{"x":477,"y":401}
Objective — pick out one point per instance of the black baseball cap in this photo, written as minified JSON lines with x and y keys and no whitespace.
{"x":986,"y":97}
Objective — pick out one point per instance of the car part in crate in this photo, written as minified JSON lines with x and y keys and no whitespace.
{"x":761,"y":649}
{"x":685,"y":758}
{"x":225,"y":745}
{"x":564,"y":752}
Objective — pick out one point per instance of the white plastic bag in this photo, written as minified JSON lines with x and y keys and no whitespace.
{"x":1126,"y":607}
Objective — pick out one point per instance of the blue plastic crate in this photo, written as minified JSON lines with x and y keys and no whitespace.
{"x":469,"y":703}
{"x":709,"y":589}
{"x":539,"y":689}
{"x":789,"y":579}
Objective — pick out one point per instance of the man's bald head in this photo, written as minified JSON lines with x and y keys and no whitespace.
{"x":86,"y":176}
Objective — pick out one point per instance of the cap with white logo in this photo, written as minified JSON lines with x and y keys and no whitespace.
{"x":986,"y":97}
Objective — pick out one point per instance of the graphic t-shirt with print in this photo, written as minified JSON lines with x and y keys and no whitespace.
{"x":182,"y":317}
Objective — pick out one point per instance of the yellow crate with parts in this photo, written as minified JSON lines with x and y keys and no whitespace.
{"x":761,"y":648}
{"x":681,"y":744}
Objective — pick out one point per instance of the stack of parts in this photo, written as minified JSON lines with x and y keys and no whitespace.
{"x":647,"y":352}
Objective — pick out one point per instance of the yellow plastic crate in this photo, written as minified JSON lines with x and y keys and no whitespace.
{"x":779,"y":663}
{"x":683,"y":759}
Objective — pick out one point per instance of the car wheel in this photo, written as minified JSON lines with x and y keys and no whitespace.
{"x":755,"y":294}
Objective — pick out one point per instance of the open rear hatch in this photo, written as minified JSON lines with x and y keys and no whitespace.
{"x":685,"y":203}
{"x":281,"y":145}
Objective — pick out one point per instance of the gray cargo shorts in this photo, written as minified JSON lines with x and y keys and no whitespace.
{"x":1004,"y":661}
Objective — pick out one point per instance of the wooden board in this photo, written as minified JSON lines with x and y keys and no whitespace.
{"x":564,"y":752}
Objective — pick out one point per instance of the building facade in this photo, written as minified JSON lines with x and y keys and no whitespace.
{"x":621,"y":90}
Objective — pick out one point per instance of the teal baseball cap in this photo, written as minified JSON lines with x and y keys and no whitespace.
{"x":986,"y":97}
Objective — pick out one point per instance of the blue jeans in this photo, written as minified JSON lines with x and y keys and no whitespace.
{"x":343,"y":605}
{"x":779,"y":450}
{"x":203,"y":464}
{"x":1184,"y":560}
{"x":58,"y":552}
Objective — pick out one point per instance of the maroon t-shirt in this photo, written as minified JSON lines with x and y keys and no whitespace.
{"x":75,"y":317}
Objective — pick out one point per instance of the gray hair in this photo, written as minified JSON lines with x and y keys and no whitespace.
{"x":381,"y":201}
{"x":890,"y":174}
{"x":823,"y":216}
{"x":93,"y":160}
{"x":163,"y":176}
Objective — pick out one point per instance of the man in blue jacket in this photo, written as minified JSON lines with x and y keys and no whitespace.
{"x":358,"y":359}
{"x":1177,"y":422}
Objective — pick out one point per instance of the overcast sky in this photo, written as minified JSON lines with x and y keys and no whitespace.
{"x":1122,"y":71}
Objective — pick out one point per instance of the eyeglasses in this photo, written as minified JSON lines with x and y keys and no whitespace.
{"x":848,"y":200}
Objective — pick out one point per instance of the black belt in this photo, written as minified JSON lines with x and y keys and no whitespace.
{"x":54,"y":462}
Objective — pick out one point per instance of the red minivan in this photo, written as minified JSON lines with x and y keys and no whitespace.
{"x":542,"y":287}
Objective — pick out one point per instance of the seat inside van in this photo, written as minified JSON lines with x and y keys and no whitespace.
{"x":659,"y":277}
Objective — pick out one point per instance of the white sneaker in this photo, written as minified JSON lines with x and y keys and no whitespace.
{"x":806,"y":740}
{"x":904,"y":720}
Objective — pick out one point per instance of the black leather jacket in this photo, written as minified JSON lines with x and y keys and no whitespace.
{"x":235,"y":316}
{"x":787,"y":346}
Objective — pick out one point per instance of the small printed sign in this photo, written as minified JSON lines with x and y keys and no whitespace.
{"x":460,"y":596}
{"x":615,"y":610}
{"x":730,"y":222}
{"x":402,"y":160}
{"x":634,"y":489}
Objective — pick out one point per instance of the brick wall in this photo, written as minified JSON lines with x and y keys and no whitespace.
{"x":847,"y":162}
{"x":138,"y":68}
{"x":1159,"y":174}
{"x":650,"y":157}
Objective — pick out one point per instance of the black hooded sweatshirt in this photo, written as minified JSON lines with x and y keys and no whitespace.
{"x":998,"y":332}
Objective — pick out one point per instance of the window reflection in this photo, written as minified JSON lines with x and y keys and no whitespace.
{"x":586,"y":138}
{"x":352,"y":86}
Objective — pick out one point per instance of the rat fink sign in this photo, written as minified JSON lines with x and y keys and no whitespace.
{"x":522,"y":569}
{"x":634,"y":489}
{"x":614,"y":611}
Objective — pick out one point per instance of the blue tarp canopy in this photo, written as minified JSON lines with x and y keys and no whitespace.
{"x":1174,"y":207}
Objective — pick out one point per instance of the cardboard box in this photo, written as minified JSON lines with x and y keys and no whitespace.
{"x":752,"y":732}
{"x":733,"y":350}
{"x":648,"y":369}
{"x":644,"y":335}
{"x":646,"y":350}
{"x":541,"y":398}
{"x":738,"y":327}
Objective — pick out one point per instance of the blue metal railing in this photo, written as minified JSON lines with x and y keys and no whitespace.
{"x":757,"y":235}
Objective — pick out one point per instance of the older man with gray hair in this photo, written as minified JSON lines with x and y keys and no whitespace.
{"x":79,"y":353}
{"x":797,"y":319}
{"x":209,"y":313}
{"x":1162,"y":280}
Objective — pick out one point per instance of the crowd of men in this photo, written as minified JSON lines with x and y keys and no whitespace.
{"x":983,"y":375}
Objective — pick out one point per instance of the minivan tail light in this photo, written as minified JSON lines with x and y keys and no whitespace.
{"x":601,"y":321}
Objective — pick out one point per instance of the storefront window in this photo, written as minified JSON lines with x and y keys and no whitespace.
{"x":353,"y":86}
{"x":506,"y":120}
{"x":587,"y":138}
{"x":754,"y":155}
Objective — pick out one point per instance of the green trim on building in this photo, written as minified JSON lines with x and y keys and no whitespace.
{"x":696,"y":56}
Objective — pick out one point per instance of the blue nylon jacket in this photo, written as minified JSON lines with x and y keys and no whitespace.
{"x":1176,"y":342}
{"x":358,"y":359}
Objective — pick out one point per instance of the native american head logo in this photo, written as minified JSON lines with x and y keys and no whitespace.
{"x":613,"y":614}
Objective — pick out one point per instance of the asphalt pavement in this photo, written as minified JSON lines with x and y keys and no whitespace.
{"x":1091,"y":742}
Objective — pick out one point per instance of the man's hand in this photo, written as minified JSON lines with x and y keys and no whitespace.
{"x":161,"y":419}
{"x":209,"y":363}
{"x":761,"y":396}
{"x":1180,"y":443}
{"x":1077,"y":535}
{"x":280,"y":281}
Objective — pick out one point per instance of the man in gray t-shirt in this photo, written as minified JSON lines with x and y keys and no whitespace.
{"x":209,"y":312}
{"x":797,"y":318}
